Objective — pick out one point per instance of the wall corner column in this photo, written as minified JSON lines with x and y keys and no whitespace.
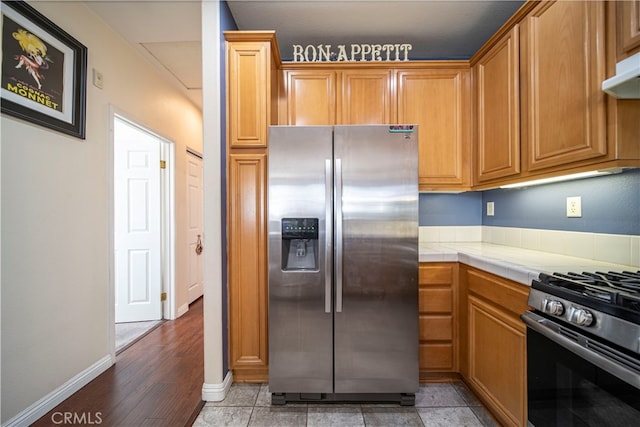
{"x":215,"y":387}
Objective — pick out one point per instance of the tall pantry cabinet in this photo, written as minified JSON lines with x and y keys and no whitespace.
{"x":252,"y":82}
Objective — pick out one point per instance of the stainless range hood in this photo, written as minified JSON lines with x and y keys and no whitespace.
{"x":626,"y":83}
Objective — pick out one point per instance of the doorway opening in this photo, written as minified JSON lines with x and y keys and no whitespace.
{"x":195,"y":272}
{"x":142,"y":225}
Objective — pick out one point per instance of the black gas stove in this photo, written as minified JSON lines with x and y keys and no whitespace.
{"x":583,"y":349}
{"x":605,"y":304}
{"x":614,"y":293}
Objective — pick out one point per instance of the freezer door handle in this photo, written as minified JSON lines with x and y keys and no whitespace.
{"x":328,"y":231}
{"x":338,"y":242}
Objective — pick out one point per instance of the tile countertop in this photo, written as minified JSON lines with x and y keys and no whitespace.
{"x":517,"y":264}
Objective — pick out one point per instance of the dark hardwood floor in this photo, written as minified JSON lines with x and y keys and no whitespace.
{"x":155,"y":382}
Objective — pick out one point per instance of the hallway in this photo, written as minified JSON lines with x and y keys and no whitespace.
{"x":155,"y":382}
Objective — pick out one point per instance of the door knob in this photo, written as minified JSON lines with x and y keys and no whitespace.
{"x":199,"y":246}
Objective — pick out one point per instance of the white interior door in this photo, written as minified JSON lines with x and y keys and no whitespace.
{"x":137,"y":224}
{"x":194,"y":232}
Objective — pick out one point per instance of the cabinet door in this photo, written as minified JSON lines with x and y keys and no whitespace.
{"x":629,"y":25}
{"x":247,"y":267}
{"x":498,"y":110}
{"x":563,"y":66}
{"x":497,"y":349}
{"x":438,"y":101}
{"x":248,"y":83}
{"x":365,"y":97}
{"x":311,"y":97}
{"x":493,"y":355}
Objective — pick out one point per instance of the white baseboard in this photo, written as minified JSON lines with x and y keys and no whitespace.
{"x":182,"y":310}
{"x":217,"y":392}
{"x":53,"y":399}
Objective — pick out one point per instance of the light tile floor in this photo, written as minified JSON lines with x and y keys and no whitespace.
{"x":437,"y":404}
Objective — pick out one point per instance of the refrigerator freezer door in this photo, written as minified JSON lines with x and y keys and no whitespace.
{"x":300,"y":310}
{"x":376,"y":332}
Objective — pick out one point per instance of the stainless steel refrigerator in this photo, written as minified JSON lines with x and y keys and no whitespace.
{"x":343,"y":263}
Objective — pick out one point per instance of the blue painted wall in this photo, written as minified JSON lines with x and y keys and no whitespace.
{"x":226,"y":23}
{"x":451,"y":209}
{"x":610,"y":204}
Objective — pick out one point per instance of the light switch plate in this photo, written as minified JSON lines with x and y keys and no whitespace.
{"x":490,"y":209}
{"x":98,"y":79}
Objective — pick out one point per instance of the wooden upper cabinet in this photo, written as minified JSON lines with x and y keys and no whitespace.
{"x":562,"y":68}
{"x":628,"y":27}
{"x":438,"y":101}
{"x":251,"y":83}
{"x":365,"y":96}
{"x":497,"y":148}
{"x":311,"y":97}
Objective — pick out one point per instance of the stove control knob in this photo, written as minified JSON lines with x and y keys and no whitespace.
{"x":553,"y":307}
{"x":581,"y":317}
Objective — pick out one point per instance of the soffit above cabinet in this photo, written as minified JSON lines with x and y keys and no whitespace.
{"x":435,"y":29}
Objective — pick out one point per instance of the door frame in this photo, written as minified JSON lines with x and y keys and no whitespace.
{"x":168,"y":221}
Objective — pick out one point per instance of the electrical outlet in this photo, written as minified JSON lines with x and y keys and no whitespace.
{"x":574,"y":207}
{"x":490,"y":209}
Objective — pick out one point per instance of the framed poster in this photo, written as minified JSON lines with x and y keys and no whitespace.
{"x":44,"y":71}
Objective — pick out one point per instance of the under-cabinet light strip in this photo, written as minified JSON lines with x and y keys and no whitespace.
{"x":564,"y":178}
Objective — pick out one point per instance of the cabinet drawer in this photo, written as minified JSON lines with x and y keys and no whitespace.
{"x":436,"y":328}
{"x":436,"y":356}
{"x":509,"y":295}
{"x":435,"y":300}
{"x":435,"y":274}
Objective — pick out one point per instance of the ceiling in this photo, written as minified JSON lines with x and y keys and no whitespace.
{"x":168,"y":33}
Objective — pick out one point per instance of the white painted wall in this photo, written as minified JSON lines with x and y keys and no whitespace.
{"x":55,"y":216}
{"x":216,"y":384}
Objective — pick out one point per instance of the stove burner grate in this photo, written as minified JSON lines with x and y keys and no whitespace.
{"x":612,"y":289}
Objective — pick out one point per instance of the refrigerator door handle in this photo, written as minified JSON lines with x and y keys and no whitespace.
{"x":328,"y":232}
{"x":338,"y":241}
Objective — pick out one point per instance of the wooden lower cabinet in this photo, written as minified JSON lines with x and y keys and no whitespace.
{"x":438,"y":320}
{"x":493,"y":343}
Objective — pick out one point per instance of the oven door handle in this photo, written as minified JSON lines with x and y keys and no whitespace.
{"x":551,"y":330}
